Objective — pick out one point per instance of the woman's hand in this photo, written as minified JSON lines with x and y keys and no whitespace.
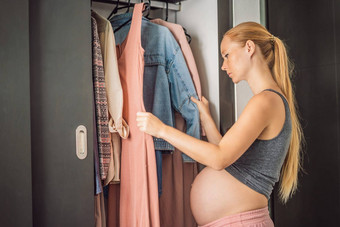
{"x":150,"y":124}
{"x":203,"y":108}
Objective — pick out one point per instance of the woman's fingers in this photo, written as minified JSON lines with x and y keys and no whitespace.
{"x":148,"y":123}
{"x":194,"y":100}
{"x":204,"y":100}
{"x":142,"y":114}
{"x":141,"y":119}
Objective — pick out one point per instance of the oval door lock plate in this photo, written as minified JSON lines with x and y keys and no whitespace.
{"x":81,"y":142}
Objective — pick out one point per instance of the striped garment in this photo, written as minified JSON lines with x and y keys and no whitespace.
{"x":101,"y":107}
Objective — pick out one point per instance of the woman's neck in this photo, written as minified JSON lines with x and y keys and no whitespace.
{"x":260,"y":78}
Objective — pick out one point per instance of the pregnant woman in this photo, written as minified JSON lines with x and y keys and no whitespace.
{"x":261,"y":148}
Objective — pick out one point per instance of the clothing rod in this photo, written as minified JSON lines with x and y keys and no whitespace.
{"x":154,"y":4}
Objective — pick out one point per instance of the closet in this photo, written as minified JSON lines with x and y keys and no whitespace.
{"x":47,"y":93}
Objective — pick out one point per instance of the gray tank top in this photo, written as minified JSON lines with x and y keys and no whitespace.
{"x":259,"y":167}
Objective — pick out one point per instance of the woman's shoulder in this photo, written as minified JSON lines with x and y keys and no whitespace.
{"x":267,"y":102}
{"x":269,"y":97}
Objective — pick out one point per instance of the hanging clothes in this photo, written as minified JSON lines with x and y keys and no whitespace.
{"x":117,"y":125}
{"x":178,"y":33}
{"x":176,"y":175}
{"x":99,"y":211}
{"x":99,"y":215}
{"x":101,"y":107}
{"x":167,"y":84}
{"x":101,"y":128}
{"x":177,"y":179}
{"x":98,"y":183}
{"x":113,"y":201}
{"x":139,"y":204}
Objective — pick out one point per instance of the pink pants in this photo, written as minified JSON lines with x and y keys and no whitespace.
{"x":253,"y":218}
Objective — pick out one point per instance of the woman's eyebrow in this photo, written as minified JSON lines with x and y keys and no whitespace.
{"x":223,"y":53}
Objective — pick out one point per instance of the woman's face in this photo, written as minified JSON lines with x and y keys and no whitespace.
{"x":235,"y":59}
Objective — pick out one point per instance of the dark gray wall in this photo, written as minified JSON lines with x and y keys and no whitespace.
{"x":311,"y":30}
{"x":15,"y":140}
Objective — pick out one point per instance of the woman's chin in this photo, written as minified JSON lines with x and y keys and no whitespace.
{"x":235,"y":81}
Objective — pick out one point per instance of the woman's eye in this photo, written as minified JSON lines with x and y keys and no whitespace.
{"x":226,"y":56}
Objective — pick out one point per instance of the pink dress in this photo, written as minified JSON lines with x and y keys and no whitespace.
{"x":138,"y":191}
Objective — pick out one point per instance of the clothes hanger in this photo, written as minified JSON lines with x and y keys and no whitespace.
{"x":167,"y":10}
{"x":147,"y":8}
{"x":114,"y":11}
{"x":187,"y":35}
{"x":128,"y":7}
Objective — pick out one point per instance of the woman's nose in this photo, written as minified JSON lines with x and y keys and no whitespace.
{"x":224,"y":66}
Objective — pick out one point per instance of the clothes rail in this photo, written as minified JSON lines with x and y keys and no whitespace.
{"x":154,"y":4}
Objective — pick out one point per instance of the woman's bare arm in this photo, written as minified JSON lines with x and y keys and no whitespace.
{"x":213,"y":135}
{"x":253,"y":120}
{"x":207,"y":122}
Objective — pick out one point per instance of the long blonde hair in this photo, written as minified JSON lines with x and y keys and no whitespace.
{"x":274,"y":52}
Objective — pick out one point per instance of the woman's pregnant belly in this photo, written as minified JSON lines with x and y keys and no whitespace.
{"x":216,"y":194}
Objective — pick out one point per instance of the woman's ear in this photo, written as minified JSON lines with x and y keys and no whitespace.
{"x":250,"y":47}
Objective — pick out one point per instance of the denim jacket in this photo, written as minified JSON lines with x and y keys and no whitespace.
{"x":167,"y":82}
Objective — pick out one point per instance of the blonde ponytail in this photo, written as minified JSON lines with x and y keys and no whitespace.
{"x":289,"y":173}
{"x":274,"y":52}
